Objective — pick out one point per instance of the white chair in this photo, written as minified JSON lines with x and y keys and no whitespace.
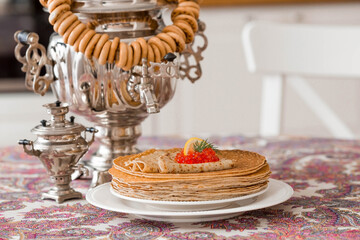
{"x":284,"y":52}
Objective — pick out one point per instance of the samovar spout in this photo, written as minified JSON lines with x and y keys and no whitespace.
{"x":148,"y":97}
{"x":146,"y":89}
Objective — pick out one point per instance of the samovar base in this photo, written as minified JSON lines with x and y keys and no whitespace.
{"x":115,"y":140}
{"x":100,"y":177}
{"x":100,"y":174}
{"x":60,"y":195}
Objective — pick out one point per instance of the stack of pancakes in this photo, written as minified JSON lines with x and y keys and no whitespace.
{"x":249,"y":174}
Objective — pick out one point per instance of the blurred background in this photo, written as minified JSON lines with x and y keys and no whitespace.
{"x":225,"y":101}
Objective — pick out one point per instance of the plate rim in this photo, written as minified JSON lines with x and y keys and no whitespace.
{"x":253,"y":206}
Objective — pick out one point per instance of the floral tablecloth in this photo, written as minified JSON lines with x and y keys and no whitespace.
{"x":325,"y":174}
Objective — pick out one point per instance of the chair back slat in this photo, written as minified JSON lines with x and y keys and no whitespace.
{"x":303,"y":49}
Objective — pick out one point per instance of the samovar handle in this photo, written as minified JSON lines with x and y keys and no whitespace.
{"x":32,"y":151}
{"x":191,"y":57}
{"x":93,"y":131}
{"x":33,"y":61}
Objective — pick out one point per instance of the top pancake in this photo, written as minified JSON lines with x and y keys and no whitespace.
{"x":245,"y":163}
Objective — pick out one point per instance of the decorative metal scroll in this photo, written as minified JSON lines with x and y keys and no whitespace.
{"x":34,"y":60}
{"x":190,"y":58}
{"x":164,"y":69}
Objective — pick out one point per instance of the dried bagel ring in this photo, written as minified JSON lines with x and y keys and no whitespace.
{"x":175,"y":29}
{"x":181,"y":10}
{"x":61,"y":20}
{"x":181,"y":1}
{"x":189,"y":19}
{"x":69,"y":30}
{"x":157,"y":53}
{"x":180,"y":43}
{"x":85,"y":40}
{"x":78,"y":40}
{"x":195,"y":12}
{"x":44,"y":3}
{"x":66,"y":24}
{"x":158,"y":43}
{"x":65,"y":1}
{"x":137,"y":52}
{"x":123,"y":53}
{"x":166,"y":38}
{"x":167,"y":47}
{"x":144,"y":47}
{"x":76,"y":33}
{"x":187,"y":30}
{"x":104,"y":53}
{"x":130,"y":58}
{"x":103,"y":39}
{"x":113,"y":48}
{"x":54,"y":15}
{"x":90,"y":47}
{"x":150,"y":54}
{"x":54,"y":4}
{"x":189,"y":4}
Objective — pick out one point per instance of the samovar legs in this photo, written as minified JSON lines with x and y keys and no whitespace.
{"x":100,"y":177}
{"x":114,"y":141}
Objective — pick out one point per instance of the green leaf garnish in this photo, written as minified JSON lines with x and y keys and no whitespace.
{"x":200,"y":146}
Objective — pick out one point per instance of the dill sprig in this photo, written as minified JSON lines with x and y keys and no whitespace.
{"x":200,"y":146}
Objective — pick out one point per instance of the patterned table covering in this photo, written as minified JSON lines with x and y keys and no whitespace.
{"x":325,"y":174}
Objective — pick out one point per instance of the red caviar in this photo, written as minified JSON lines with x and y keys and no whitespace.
{"x":207,"y":155}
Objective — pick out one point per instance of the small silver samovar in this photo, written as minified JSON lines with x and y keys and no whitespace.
{"x":59,"y":146}
{"x":115,"y":100}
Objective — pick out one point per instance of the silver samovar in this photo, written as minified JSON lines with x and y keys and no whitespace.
{"x":116,"y":101}
{"x":59,"y":146}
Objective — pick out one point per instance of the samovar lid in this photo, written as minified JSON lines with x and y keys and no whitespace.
{"x":58,"y":125}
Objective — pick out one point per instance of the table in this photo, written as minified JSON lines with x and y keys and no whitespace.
{"x":325,"y":174}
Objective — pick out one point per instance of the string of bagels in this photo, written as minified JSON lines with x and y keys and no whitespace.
{"x":84,"y":39}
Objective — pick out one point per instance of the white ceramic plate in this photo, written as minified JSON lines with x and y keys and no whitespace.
{"x":192,"y":206}
{"x":101,"y":196}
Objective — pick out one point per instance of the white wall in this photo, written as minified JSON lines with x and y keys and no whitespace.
{"x":19,"y":114}
{"x":226,"y":101}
